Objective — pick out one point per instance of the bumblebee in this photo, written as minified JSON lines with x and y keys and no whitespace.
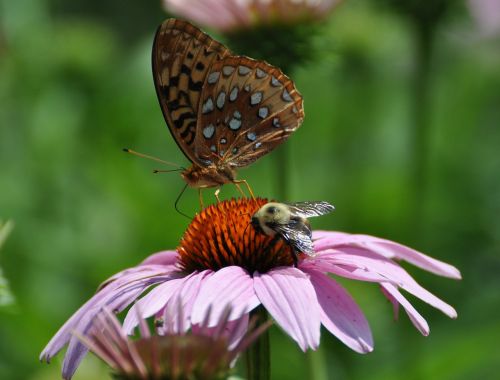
{"x":288,"y":221}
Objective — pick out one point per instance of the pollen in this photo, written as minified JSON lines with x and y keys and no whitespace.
{"x":221,"y":235}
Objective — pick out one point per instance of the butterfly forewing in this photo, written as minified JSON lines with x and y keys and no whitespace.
{"x":182,"y":58}
{"x":246,"y":109}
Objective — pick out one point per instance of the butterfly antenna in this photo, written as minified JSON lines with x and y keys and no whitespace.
{"x":152,"y":158}
{"x":156,"y":171}
{"x":177,"y":202}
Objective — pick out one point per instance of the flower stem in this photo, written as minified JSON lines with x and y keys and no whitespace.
{"x":257,"y":356}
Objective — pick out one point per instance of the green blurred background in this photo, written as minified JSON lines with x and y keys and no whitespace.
{"x":76,"y":87}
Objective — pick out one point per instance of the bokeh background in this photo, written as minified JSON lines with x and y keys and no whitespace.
{"x":402,"y":134}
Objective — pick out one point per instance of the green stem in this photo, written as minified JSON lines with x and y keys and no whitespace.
{"x":257,"y":356}
{"x":317,"y":365}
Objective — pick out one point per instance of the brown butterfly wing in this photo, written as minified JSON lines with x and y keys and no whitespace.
{"x":247,"y":108}
{"x":182,"y":57}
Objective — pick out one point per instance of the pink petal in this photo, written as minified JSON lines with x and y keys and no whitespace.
{"x":391,"y":250}
{"x":234,"y":330}
{"x":418,"y":321}
{"x":144,"y":278}
{"x":130,"y":274}
{"x":366,"y":260}
{"x":177,"y":314}
{"x":114,"y":301}
{"x":230,"y":286}
{"x":341,"y":315}
{"x":327,"y":263}
{"x":338,"y":240}
{"x":162,"y":258}
{"x":393,"y":301}
{"x":290,"y":298}
{"x":151,"y":303}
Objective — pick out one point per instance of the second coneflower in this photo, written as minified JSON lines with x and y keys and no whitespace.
{"x":223,"y":261}
{"x":203,"y":353}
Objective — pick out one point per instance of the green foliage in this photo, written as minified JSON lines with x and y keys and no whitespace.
{"x":6,"y":297}
{"x":76,"y":87}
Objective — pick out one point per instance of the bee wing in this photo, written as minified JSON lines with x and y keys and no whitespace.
{"x":297,"y":235}
{"x":308,"y":209}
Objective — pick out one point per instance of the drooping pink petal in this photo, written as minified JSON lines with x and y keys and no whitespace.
{"x":341,"y":315}
{"x":401,"y":252}
{"x":115,"y":301}
{"x":230,"y":286}
{"x":418,"y":321}
{"x":364,"y":259}
{"x":290,"y":298}
{"x":393,"y":301}
{"x":145,"y":277}
{"x":152,"y":302}
{"x":327,"y":263}
{"x":338,"y":240}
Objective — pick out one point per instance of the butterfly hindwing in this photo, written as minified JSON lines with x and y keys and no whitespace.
{"x":182,"y":57}
{"x":246,"y":109}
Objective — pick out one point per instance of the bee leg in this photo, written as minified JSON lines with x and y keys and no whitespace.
{"x":217,"y":195}
{"x":295,"y":256}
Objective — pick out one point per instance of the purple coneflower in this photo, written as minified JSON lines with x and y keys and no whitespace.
{"x":203,"y":353}
{"x":487,"y":16}
{"x":223,"y":261}
{"x":228,"y":15}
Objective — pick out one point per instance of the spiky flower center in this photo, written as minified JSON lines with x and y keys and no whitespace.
{"x":221,"y":235}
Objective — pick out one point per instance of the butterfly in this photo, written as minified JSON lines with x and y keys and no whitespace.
{"x":224,"y":111}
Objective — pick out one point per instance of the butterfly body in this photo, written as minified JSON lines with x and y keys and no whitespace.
{"x":224,"y":111}
{"x":208,"y":176}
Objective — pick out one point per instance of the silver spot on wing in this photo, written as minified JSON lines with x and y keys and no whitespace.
{"x":209,"y":131}
{"x":234,"y":124}
{"x":259,"y":73}
{"x":286,"y":96}
{"x":233,"y":94}
{"x":221,"y":99}
{"x":213,"y":77}
{"x":251,"y":136}
{"x":275,"y":82}
{"x":243,"y":70}
{"x":263,"y":112}
{"x":256,"y":98}
{"x":227,"y":70}
{"x":208,"y":106}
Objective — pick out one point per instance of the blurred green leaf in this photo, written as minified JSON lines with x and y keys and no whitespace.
{"x":6,"y":297}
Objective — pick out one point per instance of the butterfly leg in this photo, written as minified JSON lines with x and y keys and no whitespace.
{"x":217,"y":195}
{"x":200,"y":197}
{"x":237,"y":184}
